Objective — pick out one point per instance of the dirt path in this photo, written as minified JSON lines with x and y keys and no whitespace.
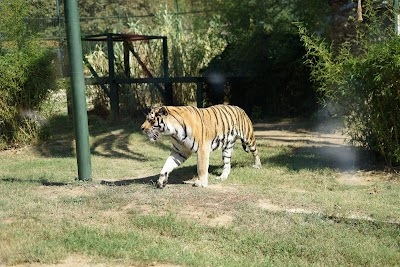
{"x":302,"y":133}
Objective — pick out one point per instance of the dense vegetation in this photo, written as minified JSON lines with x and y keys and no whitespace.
{"x":361,"y":78}
{"x":26,"y":77}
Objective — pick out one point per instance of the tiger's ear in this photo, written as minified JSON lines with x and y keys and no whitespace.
{"x":162,"y":111}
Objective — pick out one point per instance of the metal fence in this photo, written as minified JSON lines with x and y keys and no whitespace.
{"x":109,"y":16}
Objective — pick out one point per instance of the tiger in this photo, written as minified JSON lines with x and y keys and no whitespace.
{"x":200,"y":130}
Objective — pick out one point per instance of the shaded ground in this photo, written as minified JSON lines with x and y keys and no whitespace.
{"x":325,"y":141}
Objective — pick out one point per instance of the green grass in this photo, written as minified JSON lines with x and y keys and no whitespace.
{"x":293,"y":212}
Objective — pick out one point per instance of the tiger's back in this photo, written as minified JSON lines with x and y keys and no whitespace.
{"x":219,"y":125}
{"x":201,"y":130}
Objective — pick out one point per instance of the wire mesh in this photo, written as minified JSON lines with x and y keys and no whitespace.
{"x":47,"y":18}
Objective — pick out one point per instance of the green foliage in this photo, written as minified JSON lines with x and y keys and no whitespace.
{"x":245,"y":17}
{"x":363,"y":78}
{"x":26,"y":68}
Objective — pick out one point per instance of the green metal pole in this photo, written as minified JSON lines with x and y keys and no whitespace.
{"x":78,"y":90}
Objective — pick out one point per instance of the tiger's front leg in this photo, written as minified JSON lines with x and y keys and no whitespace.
{"x":177,"y":157}
{"x":203,"y":161}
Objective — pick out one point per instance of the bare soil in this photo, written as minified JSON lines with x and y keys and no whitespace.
{"x":82,"y":261}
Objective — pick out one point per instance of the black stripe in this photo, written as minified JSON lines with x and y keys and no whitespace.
{"x":208,"y":112}
{"x":201,"y":119}
{"x":194,"y":142}
{"x":228,"y":118}
{"x":197,"y":112}
{"x":232,"y":109}
{"x":182,"y":156}
{"x":185,"y":131}
{"x":216,"y":119}
{"x":176,"y":149}
{"x":230,"y":145}
{"x":243,"y":124}
{"x":222,"y":120}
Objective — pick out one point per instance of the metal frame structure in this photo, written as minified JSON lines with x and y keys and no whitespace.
{"x":113,"y":81}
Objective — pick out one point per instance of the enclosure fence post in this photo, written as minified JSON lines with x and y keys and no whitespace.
{"x":168,"y":86}
{"x":114,"y":99}
{"x":78,"y":90}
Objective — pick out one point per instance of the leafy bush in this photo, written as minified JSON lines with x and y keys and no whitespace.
{"x":364,"y":80}
{"x":26,"y":68}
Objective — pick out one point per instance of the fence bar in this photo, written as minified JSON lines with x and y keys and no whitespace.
{"x":114,"y":99}
{"x":168,"y":97}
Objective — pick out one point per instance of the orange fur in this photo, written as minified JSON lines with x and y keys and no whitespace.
{"x":200,"y":130}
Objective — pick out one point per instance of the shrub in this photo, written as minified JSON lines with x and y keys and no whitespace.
{"x":26,"y":68}
{"x":364,"y":80}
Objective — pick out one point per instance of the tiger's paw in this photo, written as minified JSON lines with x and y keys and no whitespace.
{"x":161,"y":184}
{"x":257,"y":163}
{"x":162,"y":181}
{"x":257,"y":166}
{"x":222,"y":177}
{"x":200,"y":183}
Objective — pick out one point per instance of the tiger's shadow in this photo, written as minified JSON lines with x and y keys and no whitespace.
{"x":178,"y":176}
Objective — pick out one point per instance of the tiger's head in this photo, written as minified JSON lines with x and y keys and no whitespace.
{"x":155,"y":124}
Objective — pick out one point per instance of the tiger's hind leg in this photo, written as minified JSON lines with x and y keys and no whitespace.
{"x":257,"y":161}
{"x":226,"y":158}
{"x":253,"y":149}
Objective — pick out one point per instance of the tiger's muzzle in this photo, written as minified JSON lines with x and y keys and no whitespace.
{"x":151,"y":133}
